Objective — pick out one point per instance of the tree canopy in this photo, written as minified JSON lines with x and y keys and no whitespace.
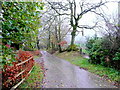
{"x":20,"y":23}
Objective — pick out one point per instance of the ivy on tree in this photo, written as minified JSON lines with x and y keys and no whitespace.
{"x":21,"y":21}
{"x":20,"y":24}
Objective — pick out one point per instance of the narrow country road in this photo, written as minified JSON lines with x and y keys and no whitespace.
{"x":61,"y":74}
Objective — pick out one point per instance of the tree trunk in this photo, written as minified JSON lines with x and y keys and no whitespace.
{"x":52,"y":45}
{"x":60,"y":50}
{"x":72,"y":40}
{"x":73,"y":33}
{"x":48,"y":46}
{"x":38,"y":44}
{"x":59,"y":35}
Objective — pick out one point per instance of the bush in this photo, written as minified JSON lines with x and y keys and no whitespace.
{"x":117,"y":56}
{"x":72,"y":48}
{"x":101,"y":52}
{"x":94,"y":47}
{"x":116,"y":60}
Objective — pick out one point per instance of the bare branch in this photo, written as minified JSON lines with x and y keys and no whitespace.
{"x":57,"y":11}
{"x":101,"y":15}
{"x":92,"y":8}
{"x":88,"y":27}
{"x":74,"y":7}
{"x":66,"y":33}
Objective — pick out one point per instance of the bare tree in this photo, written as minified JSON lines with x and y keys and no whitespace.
{"x":52,"y":26}
{"x":110,"y":30}
{"x":70,"y":9}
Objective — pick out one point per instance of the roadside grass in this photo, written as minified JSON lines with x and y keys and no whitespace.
{"x":36,"y":57}
{"x":75,"y":58}
{"x":35,"y":78}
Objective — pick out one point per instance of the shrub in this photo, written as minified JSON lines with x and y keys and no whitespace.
{"x":101,"y":52}
{"x":72,"y":48}
{"x":117,"y":56}
{"x":8,"y":55}
{"x":94,"y":48}
{"x":11,"y":75}
{"x":116,"y":61}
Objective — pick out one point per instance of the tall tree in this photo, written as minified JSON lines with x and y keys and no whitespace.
{"x":75,"y":16}
{"x":52,"y":24}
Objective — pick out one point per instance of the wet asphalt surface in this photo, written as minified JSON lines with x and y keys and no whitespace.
{"x":61,"y":74}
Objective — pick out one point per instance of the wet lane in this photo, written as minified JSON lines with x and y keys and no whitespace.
{"x":62,"y":74}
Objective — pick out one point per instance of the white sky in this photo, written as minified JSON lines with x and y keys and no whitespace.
{"x":90,"y":18}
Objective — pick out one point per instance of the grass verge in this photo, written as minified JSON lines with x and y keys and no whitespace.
{"x":74,"y":57}
{"x":35,"y":78}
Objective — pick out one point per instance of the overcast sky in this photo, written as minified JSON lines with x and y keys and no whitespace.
{"x":90,"y":18}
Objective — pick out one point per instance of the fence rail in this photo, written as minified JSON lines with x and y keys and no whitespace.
{"x":15,"y":86}
{"x":24,"y":61}
{"x":14,"y":75}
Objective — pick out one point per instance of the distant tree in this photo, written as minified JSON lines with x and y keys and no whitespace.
{"x":73,"y":15}
{"x":54,"y":27}
{"x":62,"y":43}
